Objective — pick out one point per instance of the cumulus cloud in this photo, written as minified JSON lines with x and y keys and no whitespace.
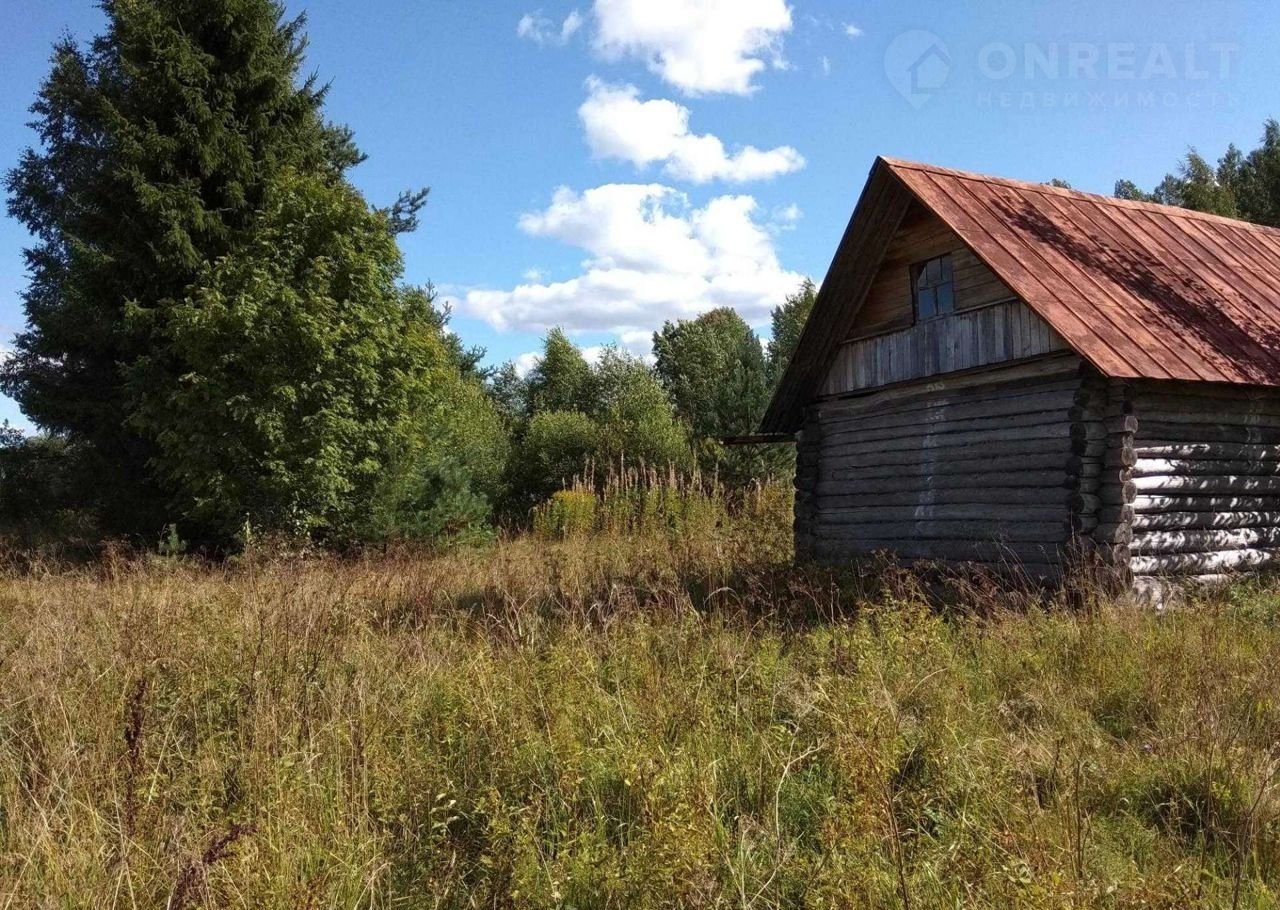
{"x":542,"y":31}
{"x":651,"y":256}
{"x":852,"y":30}
{"x":699,"y":46}
{"x":638,"y":342}
{"x":618,"y":124}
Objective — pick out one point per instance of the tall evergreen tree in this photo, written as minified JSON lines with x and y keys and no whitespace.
{"x":175,"y":150}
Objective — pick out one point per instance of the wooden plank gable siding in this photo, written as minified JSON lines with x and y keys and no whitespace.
{"x":923,"y":236}
{"x":990,"y":335}
{"x":983,"y":467}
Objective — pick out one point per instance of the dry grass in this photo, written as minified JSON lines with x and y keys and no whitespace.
{"x":623,"y":722}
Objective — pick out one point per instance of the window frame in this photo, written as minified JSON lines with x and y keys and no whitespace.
{"x":945,"y":279}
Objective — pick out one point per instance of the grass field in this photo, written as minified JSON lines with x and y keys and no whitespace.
{"x":643,"y":720}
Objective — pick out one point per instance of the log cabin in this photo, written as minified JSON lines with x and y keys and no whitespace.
{"x":1012,"y":374}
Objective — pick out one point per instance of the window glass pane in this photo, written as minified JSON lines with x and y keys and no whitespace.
{"x":945,"y":298}
{"x":933,"y":287}
{"x":926,"y":304}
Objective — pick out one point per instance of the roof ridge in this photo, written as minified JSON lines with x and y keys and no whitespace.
{"x":1168,"y":211}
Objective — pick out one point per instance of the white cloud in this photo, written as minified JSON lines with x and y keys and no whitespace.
{"x":638,"y":342}
{"x":699,"y":46}
{"x":785,"y":217}
{"x":651,"y":256}
{"x":524,"y":363}
{"x":570,"y":26}
{"x":534,"y":274}
{"x":852,"y":30}
{"x":826,"y":65}
{"x":592,"y":353}
{"x":533,"y":27}
{"x":542,"y":31}
{"x":619,"y":124}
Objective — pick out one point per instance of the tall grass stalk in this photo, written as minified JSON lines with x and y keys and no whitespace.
{"x":638,"y":499}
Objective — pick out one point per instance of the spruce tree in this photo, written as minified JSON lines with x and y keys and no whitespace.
{"x":211,"y":305}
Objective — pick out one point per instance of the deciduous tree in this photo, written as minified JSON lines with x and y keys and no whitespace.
{"x":788,"y":321}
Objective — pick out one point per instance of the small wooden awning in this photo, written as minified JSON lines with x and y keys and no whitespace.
{"x":756,"y":439}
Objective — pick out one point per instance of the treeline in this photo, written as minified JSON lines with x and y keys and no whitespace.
{"x":220,"y":344}
{"x":1243,"y":185}
{"x":710,"y":377}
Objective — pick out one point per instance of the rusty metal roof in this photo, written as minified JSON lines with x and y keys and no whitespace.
{"x":1139,"y":290}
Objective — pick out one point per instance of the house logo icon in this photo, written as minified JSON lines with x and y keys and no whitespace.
{"x":917,"y":64}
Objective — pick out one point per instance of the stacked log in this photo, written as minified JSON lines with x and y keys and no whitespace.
{"x":1206,"y":481}
{"x":806,"y":479}
{"x":1086,"y":464}
{"x":975,"y":469}
{"x":1115,"y":491}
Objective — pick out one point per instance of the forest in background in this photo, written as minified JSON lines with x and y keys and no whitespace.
{"x":220,"y":347}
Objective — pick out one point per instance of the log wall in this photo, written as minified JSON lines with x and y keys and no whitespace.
{"x":1204,"y":489}
{"x":1027,"y":463}
{"x":983,"y":467}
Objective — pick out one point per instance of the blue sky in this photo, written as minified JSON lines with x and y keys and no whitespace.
{"x":608,"y":164}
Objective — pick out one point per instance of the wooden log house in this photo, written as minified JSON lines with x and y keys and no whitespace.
{"x":1007,"y":373}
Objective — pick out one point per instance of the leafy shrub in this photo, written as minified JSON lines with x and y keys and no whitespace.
{"x":569,"y":513}
{"x":445,"y":472}
{"x":556,"y":447}
{"x":43,"y":495}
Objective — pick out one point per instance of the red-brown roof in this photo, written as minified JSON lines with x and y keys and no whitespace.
{"x":1139,"y":290}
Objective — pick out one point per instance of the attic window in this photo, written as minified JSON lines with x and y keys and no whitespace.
{"x":932,"y":288}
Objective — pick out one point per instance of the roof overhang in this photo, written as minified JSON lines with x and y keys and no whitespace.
{"x":884,"y":201}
